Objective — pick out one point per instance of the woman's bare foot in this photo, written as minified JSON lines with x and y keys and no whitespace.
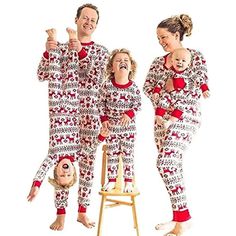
{"x":83,"y":219}
{"x":179,"y":228}
{"x":72,"y":33}
{"x":165,"y":226}
{"x":58,"y":224}
{"x":52,"y":34}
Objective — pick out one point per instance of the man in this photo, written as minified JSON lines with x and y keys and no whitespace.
{"x":75,"y":71}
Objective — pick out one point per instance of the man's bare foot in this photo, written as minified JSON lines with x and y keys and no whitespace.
{"x":58,"y":224}
{"x":165,"y":226}
{"x":83,"y":219}
{"x":72,"y":33}
{"x":179,"y":228}
{"x":52,"y":34}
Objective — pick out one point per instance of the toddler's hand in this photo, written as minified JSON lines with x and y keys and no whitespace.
{"x":33,"y":193}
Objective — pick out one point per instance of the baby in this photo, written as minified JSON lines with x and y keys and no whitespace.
{"x":181,"y":60}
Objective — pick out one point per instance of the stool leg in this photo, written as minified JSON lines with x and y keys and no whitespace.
{"x":101,"y":215}
{"x":135,"y":215}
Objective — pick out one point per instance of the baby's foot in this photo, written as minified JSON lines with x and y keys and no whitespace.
{"x":109,"y":186}
{"x":128,"y":187}
{"x":83,"y":219}
{"x":58,"y":224}
{"x":52,"y":34}
{"x":72,"y":33}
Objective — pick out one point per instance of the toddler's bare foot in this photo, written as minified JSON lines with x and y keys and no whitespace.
{"x":128,"y":187}
{"x":52,"y":34}
{"x":109,"y":186}
{"x":83,"y":219}
{"x":72,"y":33}
{"x":58,"y":224}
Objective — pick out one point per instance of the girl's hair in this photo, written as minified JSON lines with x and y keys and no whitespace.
{"x":182,"y":24}
{"x":54,"y":182}
{"x":109,"y":70}
{"x":89,"y":5}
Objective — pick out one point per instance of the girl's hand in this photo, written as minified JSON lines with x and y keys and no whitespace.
{"x":105,"y":125}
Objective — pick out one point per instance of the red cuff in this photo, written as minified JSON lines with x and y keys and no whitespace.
{"x":104,"y":118}
{"x":82,"y":54}
{"x":156,"y":90}
{"x":101,"y":138}
{"x":61,"y":211}
{"x":130,"y":113}
{"x":160,"y":111}
{"x":112,"y":180}
{"x":128,"y":180}
{"x":181,"y":216}
{"x":82,"y":209}
{"x":177,"y":113}
{"x":204,"y":87}
{"x":46,"y":55}
{"x":36,"y":183}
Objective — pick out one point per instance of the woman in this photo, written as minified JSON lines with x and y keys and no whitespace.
{"x":172,"y":141}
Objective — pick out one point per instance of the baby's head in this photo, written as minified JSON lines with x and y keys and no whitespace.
{"x":181,"y":59}
{"x":64,"y":174}
{"x":121,"y":63}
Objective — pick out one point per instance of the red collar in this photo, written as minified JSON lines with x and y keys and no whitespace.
{"x":121,"y":85}
{"x":71,"y":158}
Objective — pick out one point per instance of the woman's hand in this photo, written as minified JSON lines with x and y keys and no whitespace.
{"x":206,"y":94}
{"x":125,"y":119}
{"x":169,"y":85}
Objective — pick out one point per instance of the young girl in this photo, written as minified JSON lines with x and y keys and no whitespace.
{"x":119,"y":102}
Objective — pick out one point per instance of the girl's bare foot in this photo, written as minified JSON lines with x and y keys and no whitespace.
{"x":128,"y":187}
{"x":109,"y":186}
{"x":52,"y":34}
{"x":58,"y":224}
{"x":72,"y":33}
{"x":83,"y":219}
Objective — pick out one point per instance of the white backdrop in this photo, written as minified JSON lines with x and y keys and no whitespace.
{"x":209,"y":162}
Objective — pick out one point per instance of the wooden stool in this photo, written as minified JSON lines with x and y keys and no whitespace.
{"x":116,"y":192}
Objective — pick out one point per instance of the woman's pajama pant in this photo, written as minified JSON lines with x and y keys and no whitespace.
{"x":171,"y":145}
